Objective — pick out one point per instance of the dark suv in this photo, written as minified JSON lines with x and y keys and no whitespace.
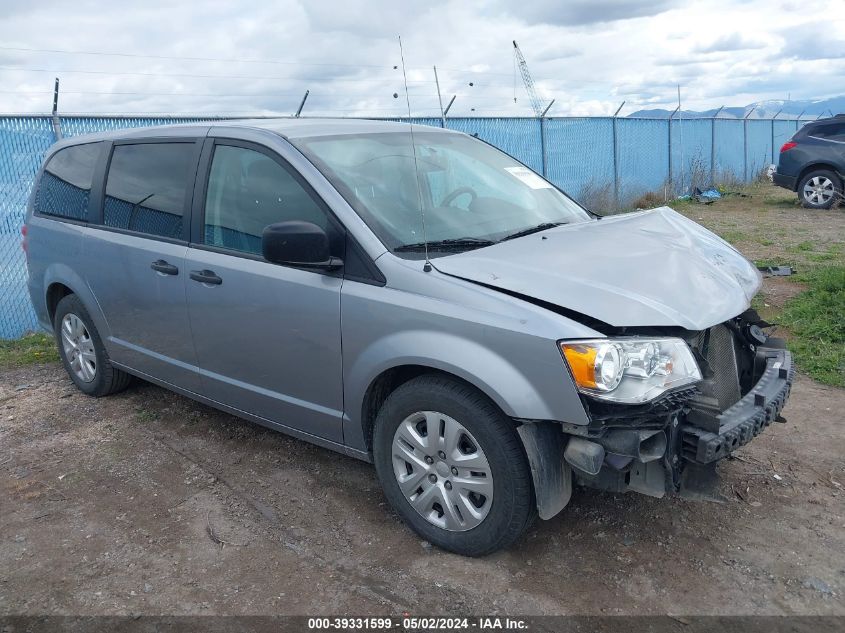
{"x":812,"y":163}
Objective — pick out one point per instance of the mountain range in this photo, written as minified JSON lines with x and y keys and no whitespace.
{"x":760,"y":110}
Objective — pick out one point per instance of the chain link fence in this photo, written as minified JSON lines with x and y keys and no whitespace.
{"x":605,"y":163}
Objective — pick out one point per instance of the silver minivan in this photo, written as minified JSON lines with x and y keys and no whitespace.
{"x":409,"y":296}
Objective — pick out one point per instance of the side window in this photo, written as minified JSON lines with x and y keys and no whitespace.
{"x":146,"y":187}
{"x":248,"y":191}
{"x":65,"y":185}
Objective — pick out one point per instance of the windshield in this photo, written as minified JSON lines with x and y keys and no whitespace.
{"x":472,"y":194}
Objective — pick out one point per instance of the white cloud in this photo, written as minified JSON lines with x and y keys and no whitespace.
{"x":730,"y":42}
{"x":589,"y":56}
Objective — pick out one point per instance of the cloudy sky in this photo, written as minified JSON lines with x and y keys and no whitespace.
{"x":250,"y":57}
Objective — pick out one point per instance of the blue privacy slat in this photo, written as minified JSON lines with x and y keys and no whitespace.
{"x":729,"y":149}
{"x":759,"y":147}
{"x":643,"y":155}
{"x":690,"y":154}
{"x":23,"y":142}
{"x":518,"y":137}
{"x":577,"y":156}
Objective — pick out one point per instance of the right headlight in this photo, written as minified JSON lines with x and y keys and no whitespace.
{"x":630,"y":370}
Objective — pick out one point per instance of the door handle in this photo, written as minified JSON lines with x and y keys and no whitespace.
{"x":161,"y":266}
{"x":206,"y":277}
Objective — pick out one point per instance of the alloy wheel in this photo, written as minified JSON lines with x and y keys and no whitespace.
{"x":818,"y":190}
{"x":79,"y":348}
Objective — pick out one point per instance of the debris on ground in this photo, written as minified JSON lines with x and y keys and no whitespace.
{"x":708,"y":196}
{"x":776,"y":271}
{"x":818,"y":585}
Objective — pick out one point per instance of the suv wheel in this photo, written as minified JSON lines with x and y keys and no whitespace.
{"x":820,"y":189}
{"x":453,"y":467}
{"x":82,"y":351}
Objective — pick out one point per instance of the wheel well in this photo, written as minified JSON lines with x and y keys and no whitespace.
{"x":386,"y":383}
{"x":55,"y":293}
{"x":817,"y":166}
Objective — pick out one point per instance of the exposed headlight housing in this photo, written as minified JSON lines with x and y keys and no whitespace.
{"x":630,"y":370}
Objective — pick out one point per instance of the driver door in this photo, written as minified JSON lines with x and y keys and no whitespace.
{"x":267,"y":336}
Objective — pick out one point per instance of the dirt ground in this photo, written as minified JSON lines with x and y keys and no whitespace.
{"x":148,"y":503}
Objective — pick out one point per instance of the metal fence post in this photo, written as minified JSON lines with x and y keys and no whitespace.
{"x":671,"y":182}
{"x":745,"y":144}
{"x":440,"y":100}
{"x":713,"y":147}
{"x":713,"y":152}
{"x":543,"y":157}
{"x":57,"y":122}
{"x":773,"y":134}
{"x":616,"y":159}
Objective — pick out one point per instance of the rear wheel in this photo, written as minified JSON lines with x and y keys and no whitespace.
{"x":81,"y":350}
{"x":820,"y":189}
{"x":453,"y":467}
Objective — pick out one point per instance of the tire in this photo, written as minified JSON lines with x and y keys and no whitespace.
{"x":484,"y":433}
{"x":87,"y":363}
{"x":820,"y":189}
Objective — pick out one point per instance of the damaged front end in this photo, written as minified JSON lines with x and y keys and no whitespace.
{"x":672,"y":443}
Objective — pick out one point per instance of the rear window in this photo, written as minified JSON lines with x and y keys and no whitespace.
{"x":65,"y":185}
{"x":146,"y":188}
{"x":832,"y":131}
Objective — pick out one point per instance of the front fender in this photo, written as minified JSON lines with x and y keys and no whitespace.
{"x":489,"y":370}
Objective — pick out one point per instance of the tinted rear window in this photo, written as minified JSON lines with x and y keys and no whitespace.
{"x":146,"y":188}
{"x":65,"y":185}
{"x":834,"y":131}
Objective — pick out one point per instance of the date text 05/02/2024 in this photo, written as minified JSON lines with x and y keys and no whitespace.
{"x":409,"y":623}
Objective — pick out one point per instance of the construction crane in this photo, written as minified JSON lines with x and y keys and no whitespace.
{"x":536,"y":104}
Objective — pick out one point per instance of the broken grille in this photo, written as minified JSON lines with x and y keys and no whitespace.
{"x":718,"y":347}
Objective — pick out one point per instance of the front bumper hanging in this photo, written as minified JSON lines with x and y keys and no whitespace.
{"x":743,"y":421}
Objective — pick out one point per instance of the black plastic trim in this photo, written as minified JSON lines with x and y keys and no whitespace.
{"x":743,"y":421}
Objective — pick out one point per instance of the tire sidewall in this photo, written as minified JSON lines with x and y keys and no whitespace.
{"x":505,"y":471}
{"x":837,"y":188}
{"x":72,"y":304}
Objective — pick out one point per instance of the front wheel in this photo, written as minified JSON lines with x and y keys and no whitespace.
{"x":820,"y":189}
{"x":453,"y":467}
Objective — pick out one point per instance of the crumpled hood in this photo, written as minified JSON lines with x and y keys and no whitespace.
{"x":650,"y":268}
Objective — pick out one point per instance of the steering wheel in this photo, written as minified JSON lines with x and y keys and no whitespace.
{"x":450,"y":198}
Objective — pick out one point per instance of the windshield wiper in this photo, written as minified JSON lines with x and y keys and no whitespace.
{"x":532,"y":229}
{"x":456,"y":243}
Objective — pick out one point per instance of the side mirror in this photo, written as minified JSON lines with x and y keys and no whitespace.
{"x":297,"y":243}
